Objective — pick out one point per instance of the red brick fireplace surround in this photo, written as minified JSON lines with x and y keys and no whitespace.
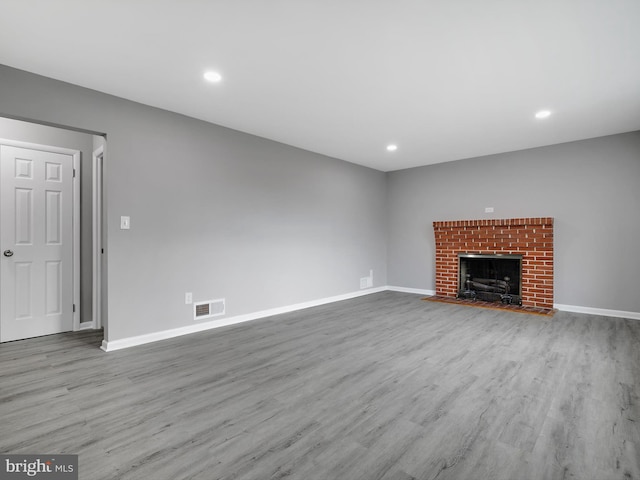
{"x":530,"y":237}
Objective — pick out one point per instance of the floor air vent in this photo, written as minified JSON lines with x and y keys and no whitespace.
{"x":210,"y":308}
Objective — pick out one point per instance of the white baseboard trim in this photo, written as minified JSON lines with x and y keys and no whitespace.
{"x":85,"y":326}
{"x":597,"y":311}
{"x":113,"y":345}
{"x":417,"y":291}
{"x":566,"y":308}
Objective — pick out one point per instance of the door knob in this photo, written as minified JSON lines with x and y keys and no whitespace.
{"x":8,"y":253}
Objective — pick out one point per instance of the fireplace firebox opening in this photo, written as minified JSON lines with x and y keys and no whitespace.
{"x":491,"y":278}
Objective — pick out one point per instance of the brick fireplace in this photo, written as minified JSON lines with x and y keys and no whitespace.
{"x":530,"y":237}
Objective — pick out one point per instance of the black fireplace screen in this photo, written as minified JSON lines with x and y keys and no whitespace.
{"x":492,"y":278}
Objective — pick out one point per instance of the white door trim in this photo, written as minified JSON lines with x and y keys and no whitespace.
{"x":75,"y":154}
{"x":98,"y":158}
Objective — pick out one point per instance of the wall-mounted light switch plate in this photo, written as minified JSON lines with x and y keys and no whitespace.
{"x":125,"y":223}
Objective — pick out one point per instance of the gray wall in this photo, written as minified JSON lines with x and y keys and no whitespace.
{"x":221,"y":213}
{"x":57,"y":137}
{"x":591,"y":188}
{"x":213,"y":211}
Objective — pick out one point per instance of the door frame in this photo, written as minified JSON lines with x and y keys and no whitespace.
{"x":75,"y":154}
{"x":97,"y":232}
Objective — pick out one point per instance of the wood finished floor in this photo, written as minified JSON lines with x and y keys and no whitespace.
{"x":380,"y":387}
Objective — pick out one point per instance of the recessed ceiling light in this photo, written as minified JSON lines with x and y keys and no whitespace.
{"x":543,"y":114}
{"x":212,"y":77}
{"x":392,"y":148}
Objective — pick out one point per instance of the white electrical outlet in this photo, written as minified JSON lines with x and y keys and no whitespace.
{"x":488,"y":209}
{"x":188,"y":298}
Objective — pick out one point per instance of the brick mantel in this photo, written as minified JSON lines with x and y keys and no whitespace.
{"x":530,"y":237}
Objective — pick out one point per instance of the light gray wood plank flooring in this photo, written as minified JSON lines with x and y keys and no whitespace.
{"x":382,"y":387}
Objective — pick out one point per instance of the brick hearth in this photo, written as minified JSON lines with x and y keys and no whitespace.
{"x":530,"y":237}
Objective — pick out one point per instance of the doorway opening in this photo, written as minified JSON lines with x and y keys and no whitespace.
{"x":88,"y":279}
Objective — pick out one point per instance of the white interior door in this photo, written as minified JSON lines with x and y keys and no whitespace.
{"x":36,"y":239}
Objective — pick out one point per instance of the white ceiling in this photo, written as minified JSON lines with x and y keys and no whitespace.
{"x":443,"y":79}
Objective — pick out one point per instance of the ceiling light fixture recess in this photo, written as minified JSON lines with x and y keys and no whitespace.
{"x":392,"y":147}
{"x":213,"y":77}
{"x":543,"y":114}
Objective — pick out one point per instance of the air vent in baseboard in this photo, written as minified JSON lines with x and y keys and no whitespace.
{"x":210,"y":308}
